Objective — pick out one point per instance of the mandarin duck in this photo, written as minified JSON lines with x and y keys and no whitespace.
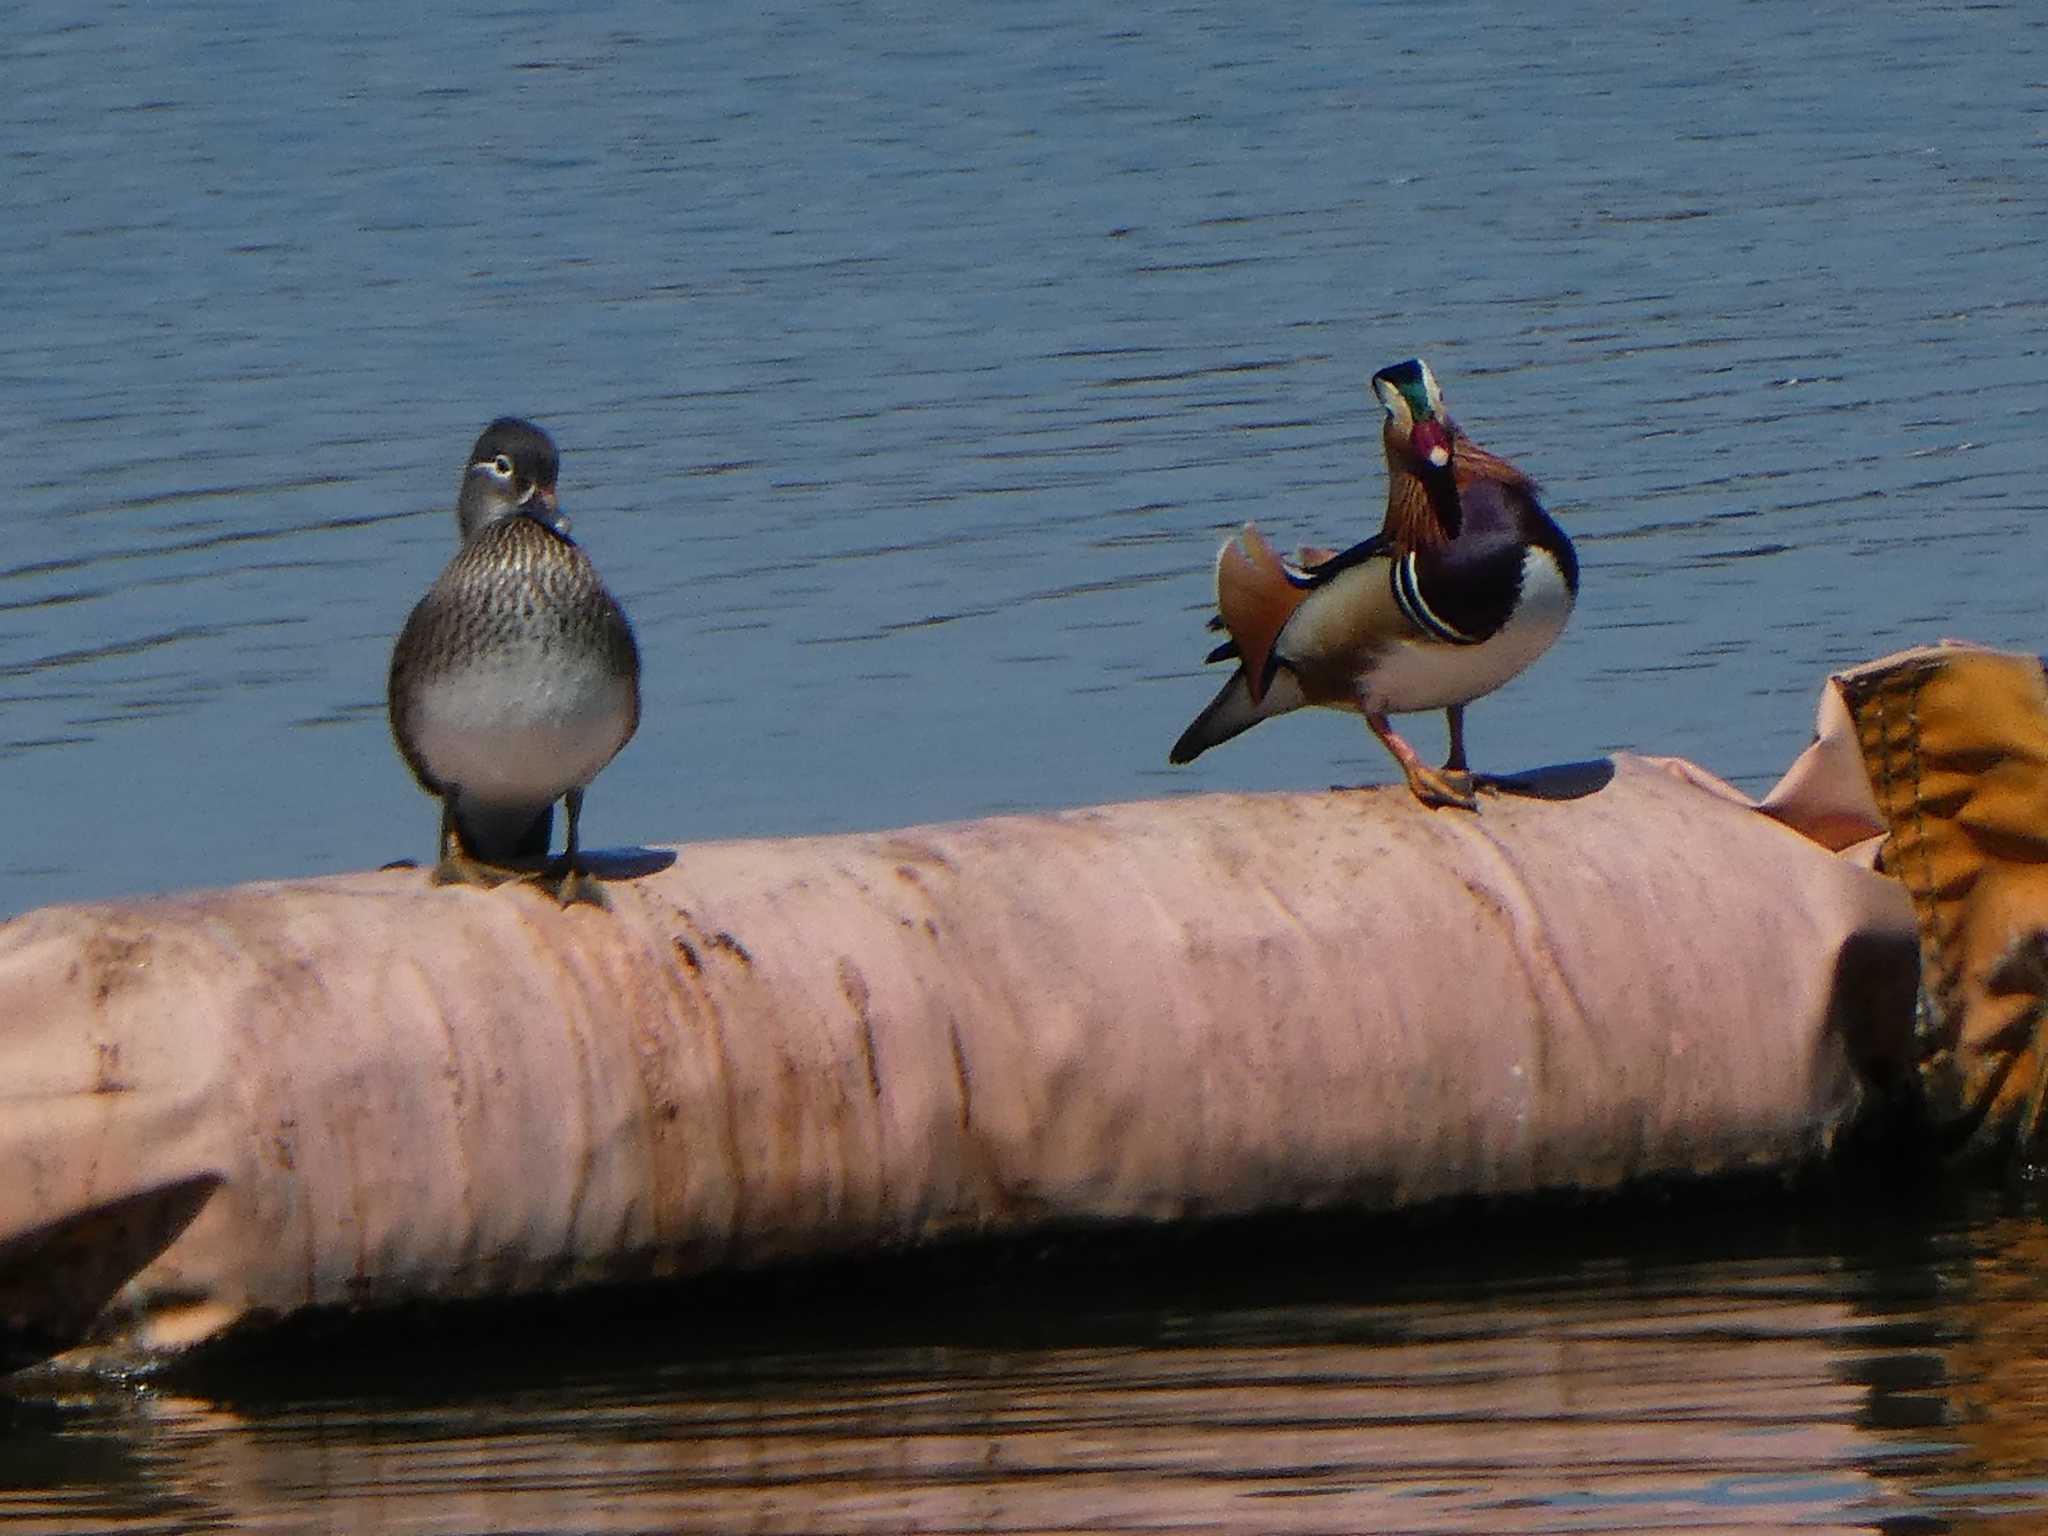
{"x":1467,"y":582}
{"x":516,"y":678}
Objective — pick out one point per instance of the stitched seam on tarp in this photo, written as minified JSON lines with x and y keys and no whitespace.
{"x":1901,"y":785}
{"x":1937,"y":940}
{"x":1897,"y":774}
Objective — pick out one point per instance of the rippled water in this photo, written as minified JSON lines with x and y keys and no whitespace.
{"x":908,"y":365}
{"x":908,"y":362}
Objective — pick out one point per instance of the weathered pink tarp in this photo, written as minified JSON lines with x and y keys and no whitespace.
{"x":364,"y":1090}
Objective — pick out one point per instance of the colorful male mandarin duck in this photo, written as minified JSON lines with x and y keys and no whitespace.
{"x":1467,"y":583}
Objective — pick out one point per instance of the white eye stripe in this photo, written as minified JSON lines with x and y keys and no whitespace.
{"x":1430,"y":392}
{"x":1399,"y":410}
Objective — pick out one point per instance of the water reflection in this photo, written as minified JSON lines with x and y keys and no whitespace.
{"x":1817,"y":1373}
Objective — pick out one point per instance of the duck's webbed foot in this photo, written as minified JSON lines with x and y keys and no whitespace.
{"x":1439,"y":790}
{"x":1448,"y":787}
{"x":570,"y":884}
{"x":566,"y":878}
{"x":1462,"y":782}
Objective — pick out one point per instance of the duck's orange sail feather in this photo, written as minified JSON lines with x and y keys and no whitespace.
{"x":1256,"y":596}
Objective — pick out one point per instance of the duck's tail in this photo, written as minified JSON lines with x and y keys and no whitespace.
{"x":1256,"y":594}
{"x":1232,"y":711}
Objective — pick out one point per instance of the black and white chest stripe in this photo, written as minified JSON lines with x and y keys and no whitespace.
{"x":1459,"y":596}
{"x":1465,"y":591}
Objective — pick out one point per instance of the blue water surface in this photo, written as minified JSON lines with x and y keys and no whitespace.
{"x":909,"y":364}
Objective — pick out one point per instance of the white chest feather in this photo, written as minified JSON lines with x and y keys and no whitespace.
{"x":510,"y":733}
{"x":1419,"y":674}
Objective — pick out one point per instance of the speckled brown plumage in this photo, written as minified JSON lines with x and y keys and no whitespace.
{"x":513,"y":584}
{"x":516,"y":678}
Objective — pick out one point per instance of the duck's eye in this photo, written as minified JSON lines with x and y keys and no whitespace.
{"x":501,"y":466}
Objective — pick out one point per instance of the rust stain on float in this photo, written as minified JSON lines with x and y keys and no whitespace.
{"x":107,"y":1076}
{"x":960,"y":1077}
{"x":678,"y":1056}
{"x":112,"y":959}
{"x":909,"y":855}
{"x":693,"y":1004}
{"x":854,"y":987}
{"x":732,"y":946}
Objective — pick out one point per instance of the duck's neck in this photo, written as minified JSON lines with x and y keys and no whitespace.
{"x":475,"y":509}
{"x":1422,"y":505}
{"x":1424,"y":509}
